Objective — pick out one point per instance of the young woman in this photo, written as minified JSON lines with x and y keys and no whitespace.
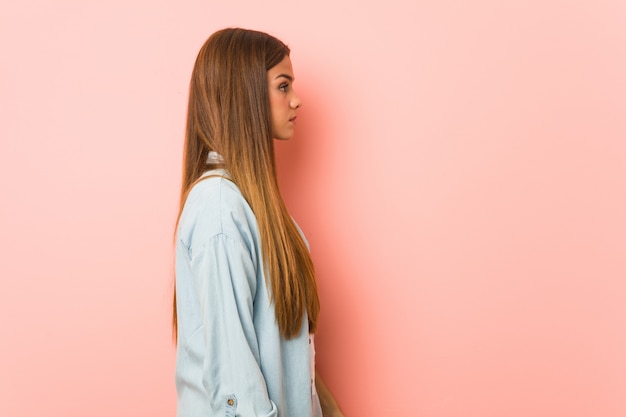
{"x":246,"y":302}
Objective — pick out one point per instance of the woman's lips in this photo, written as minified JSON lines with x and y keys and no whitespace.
{"x":293,"y":119}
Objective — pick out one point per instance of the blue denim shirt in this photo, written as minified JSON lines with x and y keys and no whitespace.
{"x":231,"y":359}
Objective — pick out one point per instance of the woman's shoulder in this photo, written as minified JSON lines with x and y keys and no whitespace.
{"x":216,"y":206}
{"x":215,"y":190}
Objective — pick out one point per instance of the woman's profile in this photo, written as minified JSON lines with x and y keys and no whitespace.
{"x":246,"y":303}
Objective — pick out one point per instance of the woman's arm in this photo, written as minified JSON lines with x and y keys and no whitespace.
{"x":330,"y":408}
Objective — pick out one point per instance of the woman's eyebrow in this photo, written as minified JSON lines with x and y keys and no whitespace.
{"x":287,"y":76}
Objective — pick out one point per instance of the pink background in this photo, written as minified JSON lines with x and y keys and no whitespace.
{"x":459,"y":169}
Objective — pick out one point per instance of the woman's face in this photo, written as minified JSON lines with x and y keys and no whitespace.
{"x":283,"y":99}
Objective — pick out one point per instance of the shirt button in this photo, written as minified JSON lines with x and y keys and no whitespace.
{"x":231,"y":402}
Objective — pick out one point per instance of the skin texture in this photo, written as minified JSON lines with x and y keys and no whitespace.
{"x":284,"y":101}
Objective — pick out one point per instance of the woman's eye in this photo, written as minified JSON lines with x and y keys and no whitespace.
{"x":283,"y":87}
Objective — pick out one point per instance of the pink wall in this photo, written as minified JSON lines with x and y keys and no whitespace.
{"x":460,"y":171}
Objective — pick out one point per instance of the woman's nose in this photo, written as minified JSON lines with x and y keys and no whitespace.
{"x":295,"y":102}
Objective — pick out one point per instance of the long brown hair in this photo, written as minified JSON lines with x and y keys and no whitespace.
{"x":229,"y":113}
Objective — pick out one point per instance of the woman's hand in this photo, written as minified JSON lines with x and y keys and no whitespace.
{"x":330,"y":408}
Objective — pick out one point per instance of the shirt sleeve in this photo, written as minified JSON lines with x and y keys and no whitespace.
{"x":225,"y":276}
